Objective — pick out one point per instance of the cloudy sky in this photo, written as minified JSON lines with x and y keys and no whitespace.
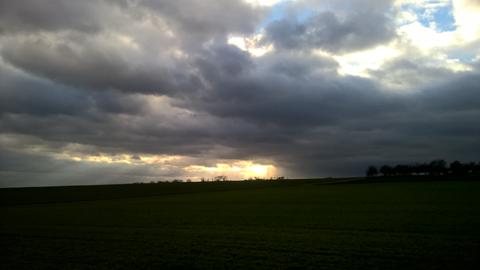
{"x":115,"y":91}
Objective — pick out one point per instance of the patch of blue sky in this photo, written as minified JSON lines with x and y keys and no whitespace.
{"x":440,"y":17}
{"x":444,"y":19}
{"x":284,"y":10}
{"x":277,"y":12}
{"x":436,"y":14}
{"x":463,"y":56}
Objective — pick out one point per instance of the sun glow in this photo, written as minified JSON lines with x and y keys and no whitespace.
{"x":235,"y":170}
{"x":250,"y":44}
{"x":267,"y":3}
{"x":257,"y":170}
{"x":188,"y":167}
{"x":359,"y":63}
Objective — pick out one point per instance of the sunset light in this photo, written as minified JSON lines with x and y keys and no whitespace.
{"x":240,"y":134}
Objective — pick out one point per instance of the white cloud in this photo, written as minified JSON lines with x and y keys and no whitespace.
{"x":439,"y":47}
{"x":359,"y":63}
{"x":250,"y":44}
{"x":239,"y":169}
{"x":467,"y":17}
{"x":464,"y":12}
{"x":264,"y":2}
{"x":426,"y":38}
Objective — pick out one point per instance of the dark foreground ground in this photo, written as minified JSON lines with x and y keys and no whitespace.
{"x":249,"y":225}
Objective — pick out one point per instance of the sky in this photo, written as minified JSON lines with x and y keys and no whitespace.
{"x":121,"y":91}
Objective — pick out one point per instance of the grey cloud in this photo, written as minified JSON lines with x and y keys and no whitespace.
{"x":191,"y":21}
{"x":93,"y":64}
{"x":323,"y":124}
{"x":224,"y":60}
{"x":455,"y":95}
{"x":115,"y":103}
{"x":200,"y":20}
{"x":299,"y":65}
{"x":112,"y":133}
{"x":289,"y":89}
{"x":327,"y":31}
{"x":87,"y":90}
{"x":21,"y":93}
{"x":142,"y":67}
{"x":408,"y":133}
{"x":314,"y":123}
{"x":412,"y":72}
{"x":51,"y":15}
{"x":19,"y":169}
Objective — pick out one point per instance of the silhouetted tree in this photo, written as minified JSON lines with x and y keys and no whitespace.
{"x":220,"y":178}
{"x":372,"y":171}
{"x":476,"y":168}
{"x":457,"y":168}
{"x":401,"y":170}
{"x":438,"y":167}
{"x":386,"y":170}
{"x":423,"y":169}
{"x":470,"y":168}
{"x":418,"y":169}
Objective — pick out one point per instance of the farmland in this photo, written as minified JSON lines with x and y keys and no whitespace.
{"x":304,"y":224}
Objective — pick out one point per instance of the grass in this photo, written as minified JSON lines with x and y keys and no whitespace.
{"x":243,"y":225}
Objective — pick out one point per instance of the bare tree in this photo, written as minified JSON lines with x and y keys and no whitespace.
{"x":372,"y":171}
{"x":220,"y":178}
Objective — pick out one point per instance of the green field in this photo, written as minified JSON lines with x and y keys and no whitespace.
{"x":243,"y":225}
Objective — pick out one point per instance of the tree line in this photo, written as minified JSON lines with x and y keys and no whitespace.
{"x":437,"y":167}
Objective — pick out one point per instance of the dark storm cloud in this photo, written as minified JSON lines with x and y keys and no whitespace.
{"x":91,"y":64}
{"x":435,"y":122}
{"x":24,"y":94}
{"x":50,"y":15}
{"x":199,"y":20}
{"x":224,"y":61}
{"x":456,"y":95}
{"x":408,"y":72}
{"x":359,"y":29}
{"x":20,"y":169}
{"x":117,"y":103}
{"x":21,"y":93}
{"x":106,"y":61}
{"x":286,"y":89}
{"x":328,"y":32}
{"x":112,"y":132}
{"x":318,"y":123}
{"x":414,"y":127}
{"x":158,"y":77}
